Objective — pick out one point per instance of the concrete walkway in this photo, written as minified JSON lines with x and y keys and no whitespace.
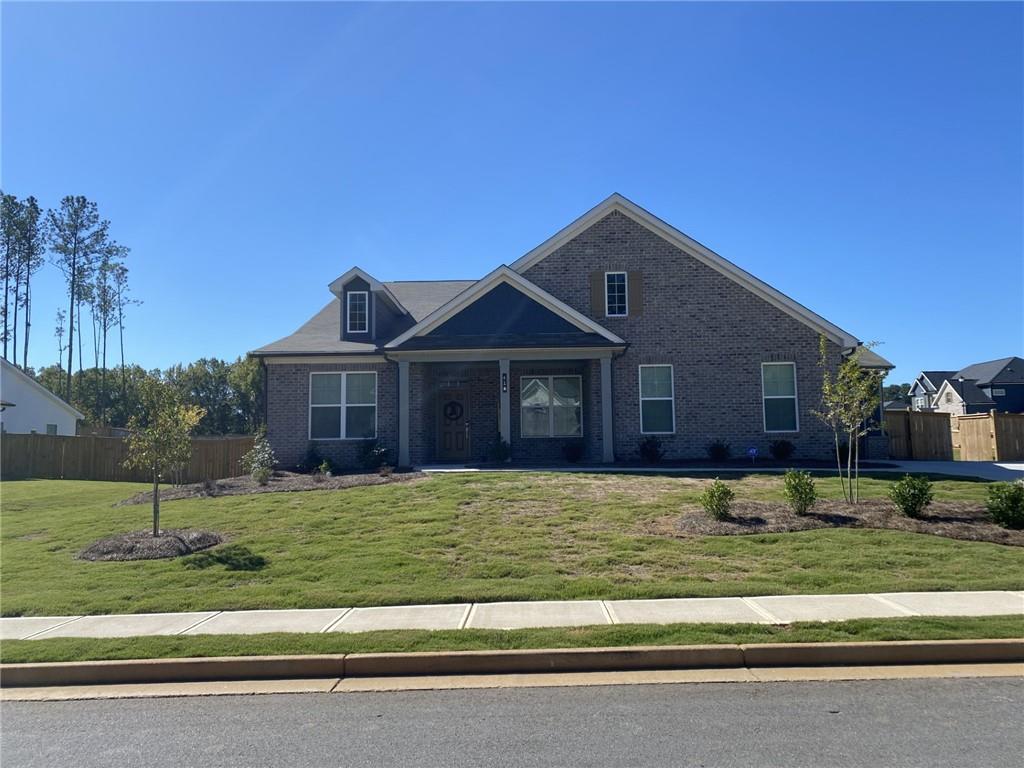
{"x":781,"y":609}
{"x":984,"y":470}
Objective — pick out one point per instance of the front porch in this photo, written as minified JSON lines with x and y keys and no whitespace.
{"x":459,"y":407}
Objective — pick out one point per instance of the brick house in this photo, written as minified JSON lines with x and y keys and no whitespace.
{"x":616,"y":328}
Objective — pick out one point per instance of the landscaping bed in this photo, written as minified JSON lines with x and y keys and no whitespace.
{"x":143,"y":545}
{"x":953,"y":519}
{"x":279,"y":482}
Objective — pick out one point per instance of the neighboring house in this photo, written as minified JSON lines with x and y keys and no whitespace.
{"x":962,"y":396}
{"x":617,"y":328}
{"x":995,"y":384}
{"x":1001,"y":380}
{"x":895,"y":405}
{"x":28,"y":406}
{"x":925,"y":386}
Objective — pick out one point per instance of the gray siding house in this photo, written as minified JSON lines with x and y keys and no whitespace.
{"x":616,"y":328}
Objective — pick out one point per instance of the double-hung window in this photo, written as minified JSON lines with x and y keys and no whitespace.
{"x":551,"y":406}
{"x":616,"y":302}
{"x":343,"y":406}
{"x":358,"y":314}
{"x":778,"y":386}
{"x":657,"y":400}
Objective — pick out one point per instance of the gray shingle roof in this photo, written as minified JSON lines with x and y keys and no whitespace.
{"x":985,"y":372}
{"x":321,"y":334}
{"x":937,"y":377}
{"x":969,"y":392}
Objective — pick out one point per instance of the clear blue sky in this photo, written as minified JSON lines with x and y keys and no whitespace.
{"x":866,"y":159}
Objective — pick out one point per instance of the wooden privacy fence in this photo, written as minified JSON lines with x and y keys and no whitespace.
{"x":102,"y":458}
{"x":992,"y":436}
{"x":919,"y":435}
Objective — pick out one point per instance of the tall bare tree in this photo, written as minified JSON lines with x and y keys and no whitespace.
{"x":78,"y":237}
{"x":32,"y":242}
{"x":9,"y":218}
{"x":121,"y":302}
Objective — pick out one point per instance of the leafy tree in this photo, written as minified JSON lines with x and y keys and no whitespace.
{"x":79,"y":236}
{"x":896,"y":391}
{"x":848,"y":402}
{"x":9,"y":217}
{"x":160,"y":438}
{"x":33,"y":236}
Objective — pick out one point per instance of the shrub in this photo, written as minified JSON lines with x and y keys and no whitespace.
{"x":500,"y":452}
{"x":1006,"y":504}
{"x":572,"y":451}
{"x":781,"y":450}
{"x":799,"y":491}
{"x":911,"y":494}
{"x":716,"y":499}
{"x":311,"y":461}
{"x":373,"y":455}
{"x":259,"y":461}
{"x":326,"y":469}
{"x":719,"y":451}
{"x":650,"y":449}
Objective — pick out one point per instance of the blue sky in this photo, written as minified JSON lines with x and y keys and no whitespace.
{"x":865,"y":159}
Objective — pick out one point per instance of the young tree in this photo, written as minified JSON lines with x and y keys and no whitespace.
{"x":159,"y":441}
{"x":78,"y":236}
{"x":848,"y":402}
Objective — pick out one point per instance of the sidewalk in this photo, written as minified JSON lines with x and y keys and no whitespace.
{"x":780,"y":609}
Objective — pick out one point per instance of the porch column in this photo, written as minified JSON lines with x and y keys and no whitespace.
{"x":403,"y":413}
{"x":607,"y":438}
{"x":504,"y":408}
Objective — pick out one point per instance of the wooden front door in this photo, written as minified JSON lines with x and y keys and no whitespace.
{"x":453,"y":425}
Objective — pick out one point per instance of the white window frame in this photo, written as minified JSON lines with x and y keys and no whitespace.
{"x":998,"y":392}
{"x":672,"y":397}
{"x":625,"y":286}
{"x":795,"y":397}
{"x":344,"y":407}
{"x":54,"y":431}
{"x":551,"y":406}
{"x":348,"y":311}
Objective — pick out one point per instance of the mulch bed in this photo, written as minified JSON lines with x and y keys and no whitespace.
{"x":952,"y":519}
{"x":279,"y":482}
{"x":143,"y":545}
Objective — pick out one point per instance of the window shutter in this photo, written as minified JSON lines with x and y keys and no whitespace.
{"x":597,"y":294}
{"x":635,"y":283}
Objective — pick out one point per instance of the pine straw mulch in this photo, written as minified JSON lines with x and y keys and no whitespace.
{"x":280,"y":482}
{"x":143,"y":545}
{"x":952,"y":519}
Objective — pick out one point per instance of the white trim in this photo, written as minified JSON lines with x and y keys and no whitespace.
{"x":337,"y":286}
{"x":502,"y":275}
{"x":348,"y":311}
{"x":688,"y":245}
{"x":487,"y":355}
{"x":625,"y":286}
{"x":672,"y":397}
{"x":343,"y":406}
{"x":9,"y":367}
{"x":314,"y":358}
{"x":551,"y":405}
{"x":795,"y":397}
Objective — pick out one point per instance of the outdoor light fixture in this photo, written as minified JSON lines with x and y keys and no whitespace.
{"x":504,"y":382}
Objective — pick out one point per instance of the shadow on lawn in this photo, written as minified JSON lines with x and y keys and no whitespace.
{"x":234,"y":557}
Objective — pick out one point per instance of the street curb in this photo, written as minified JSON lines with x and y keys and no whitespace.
{"x":511,"y":662}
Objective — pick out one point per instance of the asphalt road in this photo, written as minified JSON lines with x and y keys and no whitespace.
{"x":933,"y":723}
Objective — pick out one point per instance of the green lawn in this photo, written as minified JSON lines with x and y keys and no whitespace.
{"x":76,"y":649}
{"x":458,"y":538}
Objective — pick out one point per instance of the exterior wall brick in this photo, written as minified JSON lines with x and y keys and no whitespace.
{"x":713,"y":331}
{"x":288,"y":413}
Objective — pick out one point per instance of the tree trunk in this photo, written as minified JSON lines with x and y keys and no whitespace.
{"x":856,"y":473}
{"x":7,"y":291}
{"x":17,"y":302}
{"x":71,"y":331}
{"x":28,"y":322}
{"x":120,"y":333}
{"x":839,"y":464}
{"x":849,"y":464}
{"x":156,"y":503}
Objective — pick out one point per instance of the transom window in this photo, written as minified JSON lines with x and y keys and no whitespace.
{"x":778,"y":385}
{"x":343,"y":406}
{"x":358,"y":317}
{"x":615,"y":294}
{"x":551,"y":406}
{"x":657,"y":400}
{"x":51,"y":429}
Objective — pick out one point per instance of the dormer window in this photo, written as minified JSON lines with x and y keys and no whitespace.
{"x":358,"y":316}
